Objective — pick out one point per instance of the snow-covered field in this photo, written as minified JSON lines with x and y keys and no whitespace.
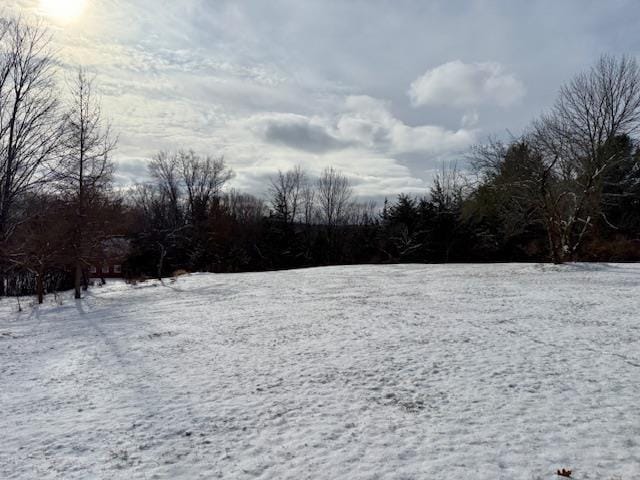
{"x":372,"y":372}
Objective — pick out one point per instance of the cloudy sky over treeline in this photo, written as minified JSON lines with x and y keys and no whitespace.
{"x":383,"y":90}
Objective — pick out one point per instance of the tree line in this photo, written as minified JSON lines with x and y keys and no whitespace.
{"x":55,"y":166}
{"x":567,"y":189}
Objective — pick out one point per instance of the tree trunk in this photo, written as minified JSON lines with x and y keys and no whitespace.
{"x":78,"y":281}
{"x":40,"y":287}
{"x":556,"y":247}
{"x":163,"y":253}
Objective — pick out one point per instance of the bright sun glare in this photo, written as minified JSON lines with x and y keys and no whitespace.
{"x":63,"y":10}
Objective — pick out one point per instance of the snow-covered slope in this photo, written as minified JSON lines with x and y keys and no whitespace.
{"x":372,"y":372}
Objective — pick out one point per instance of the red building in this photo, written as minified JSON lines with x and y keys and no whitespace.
{"x":109,"y":263}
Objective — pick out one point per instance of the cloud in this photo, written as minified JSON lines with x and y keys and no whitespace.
{"x":380,"y":153}
{"x":365,"y":123}
{"x":470,"y":119}
{"x":265,"y":85}
{"x":370,"y":122}
{"x":461,"y":84}
{"x":382,"y":177}
{"x":297,"y":131}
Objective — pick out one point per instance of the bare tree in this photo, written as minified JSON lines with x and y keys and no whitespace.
{"x":449,"y":188}
{"x":555,"y":175}
{"x":161,"y":206}
{"x":308,"y":204}
{"x":164,"y":169}
{"x":188,"y":182}
{"x":593,"y":108}
{"x":85,"y":171}
{"x":334,"y":193}
{"x":486,"y":159}
{"x":203,"y":178}
{"x":159,"y":220}
{"x":362,"y":213}
{"x":39,"y":244}
{"x":177,"y":204}
{"x":448,"y":191}
{"x":575,"y":143}
{"x":243,"y":207}
{"x":287,"y":194}
{"x":29,"y":121}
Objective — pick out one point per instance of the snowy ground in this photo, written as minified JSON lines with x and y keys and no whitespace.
{"x":373,"y":372}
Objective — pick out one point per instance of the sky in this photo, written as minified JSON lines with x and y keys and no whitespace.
{"x":386,"y":91}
